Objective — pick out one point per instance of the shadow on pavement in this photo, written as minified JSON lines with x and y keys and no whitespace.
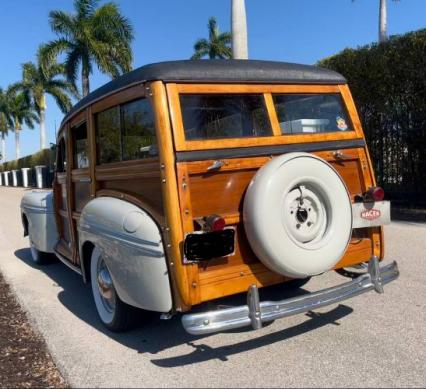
{"x":159,"y":335}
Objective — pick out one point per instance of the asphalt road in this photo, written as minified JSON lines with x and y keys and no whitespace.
{"x":369,"y":341}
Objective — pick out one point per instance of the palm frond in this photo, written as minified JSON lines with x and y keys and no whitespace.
{"x":62,"y":23}
{"x":85,"y":8}
{"x":49,"y":52}
{"x":62,"y":99}
{"x":107,"y":21}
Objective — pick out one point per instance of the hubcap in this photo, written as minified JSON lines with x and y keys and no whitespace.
{"x":305,"y":215}
{"x":105,"y":286}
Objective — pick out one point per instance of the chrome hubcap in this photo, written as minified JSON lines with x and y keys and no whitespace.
{"x":105,"y":286}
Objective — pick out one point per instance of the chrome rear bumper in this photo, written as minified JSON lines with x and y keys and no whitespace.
{"x":255,"y":312}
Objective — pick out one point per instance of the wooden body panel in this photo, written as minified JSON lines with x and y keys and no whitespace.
{"x":222,"y":193}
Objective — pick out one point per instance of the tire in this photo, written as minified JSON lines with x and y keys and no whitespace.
{"x":298,"y":215}
{"x":114,"y":314}
{"x":39,"y":257}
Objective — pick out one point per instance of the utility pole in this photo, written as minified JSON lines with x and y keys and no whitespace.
{"x":239,"y":30}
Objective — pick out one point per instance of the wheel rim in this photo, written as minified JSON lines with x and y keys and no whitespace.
{"x":105,"y":286}
{"x":306,"y":215}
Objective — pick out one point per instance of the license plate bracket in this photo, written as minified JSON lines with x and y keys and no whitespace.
{"x":372,"y":214}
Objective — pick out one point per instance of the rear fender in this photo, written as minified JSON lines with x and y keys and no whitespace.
{"x":131,"y":245}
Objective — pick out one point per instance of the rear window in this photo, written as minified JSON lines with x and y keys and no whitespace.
{"x":220,"y":116}
{"x":311,"y":113}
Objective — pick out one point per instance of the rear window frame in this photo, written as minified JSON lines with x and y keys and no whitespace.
{"x":181,"y":144}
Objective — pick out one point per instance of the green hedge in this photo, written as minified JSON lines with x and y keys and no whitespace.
{"x":388,"y":82}
{"x":43,"y":157}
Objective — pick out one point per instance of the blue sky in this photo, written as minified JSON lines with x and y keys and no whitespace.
{"x":301,"y":31}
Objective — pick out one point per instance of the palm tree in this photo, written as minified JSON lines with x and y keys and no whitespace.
{"x":99,"y":35}
{"x":5,"y":123}
{"x":217,"y":46}
{"x":21,"y":111}
{"x":383,"y":20}
{"x":37,"y":82}
{"x":239,"y":29}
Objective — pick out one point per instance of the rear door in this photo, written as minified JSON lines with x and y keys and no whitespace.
{"x":60,"y":188}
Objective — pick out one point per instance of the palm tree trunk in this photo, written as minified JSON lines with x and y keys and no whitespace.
{"x":3,"y":147}
{"x":17,"y":143}
{"x":85,"y":81}
{"x":383,"y":21}
{"x":239,"y":30}
{"x":43,"y":122}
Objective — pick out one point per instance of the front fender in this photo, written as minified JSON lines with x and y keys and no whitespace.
{"x":131,"y":245}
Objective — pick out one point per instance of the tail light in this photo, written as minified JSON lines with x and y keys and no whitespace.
{"x":214,"y":223}
{"x":375,"y":193}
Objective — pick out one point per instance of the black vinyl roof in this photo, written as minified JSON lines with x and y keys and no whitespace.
{"x":215,"y":71}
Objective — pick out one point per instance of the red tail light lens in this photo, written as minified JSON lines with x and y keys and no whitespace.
{"x":376,"y":193}
{"x":215,"y":223}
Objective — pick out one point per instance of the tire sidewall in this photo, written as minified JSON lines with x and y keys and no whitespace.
{"x":107,"y":318}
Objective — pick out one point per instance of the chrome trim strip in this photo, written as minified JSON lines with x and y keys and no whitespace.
{"x":135,"y":243}
{"x":68,"y":263}
{"x":246,"y":315}
{"x":36,"y":209}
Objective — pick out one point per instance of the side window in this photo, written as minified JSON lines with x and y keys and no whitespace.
{"x":61,"y":160}
{"x":81,"y":159}
{"x":138,"y":130}
{"x":126,"y":132}
{"x":108,"y":135}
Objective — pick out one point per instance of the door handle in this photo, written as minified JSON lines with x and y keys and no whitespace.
{"x":339,"y":155}
{"x":216,"y":165}
{"x":85,"y":179}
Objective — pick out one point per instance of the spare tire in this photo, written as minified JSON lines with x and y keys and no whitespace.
{"x":298,"y":215}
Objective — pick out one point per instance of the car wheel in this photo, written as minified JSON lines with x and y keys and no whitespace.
{"x":38,"y":257}
{"x":297,"y":215}
{"x":114,"y":313}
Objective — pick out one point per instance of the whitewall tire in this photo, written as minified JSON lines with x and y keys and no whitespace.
{"x":298,"y":215}
{"x":114,"y":313}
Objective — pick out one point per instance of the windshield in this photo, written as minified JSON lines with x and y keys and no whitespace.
{"x":311,"y":113}
{"x":220,"y":116}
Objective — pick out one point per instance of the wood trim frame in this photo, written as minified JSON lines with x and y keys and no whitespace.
{"x":183,"y":277}
{"x":173,"y":91}
{"x":121,"y":97}
{"x":367,"y":168}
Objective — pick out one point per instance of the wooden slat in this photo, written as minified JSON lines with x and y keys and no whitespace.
{"x":183,"y":277}
{"x":272,"y":115}
{"x":120,"y":97}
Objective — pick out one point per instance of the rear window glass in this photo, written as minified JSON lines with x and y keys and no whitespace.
{"x":221,"y":116}
{"x":311,"y":113}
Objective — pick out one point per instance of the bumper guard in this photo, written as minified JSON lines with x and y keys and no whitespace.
{"x":255,"y":313}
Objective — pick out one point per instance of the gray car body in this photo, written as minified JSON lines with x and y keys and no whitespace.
{"x":128,"y":238}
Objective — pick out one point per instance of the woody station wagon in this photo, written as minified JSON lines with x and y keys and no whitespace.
{"x":183,"y":182}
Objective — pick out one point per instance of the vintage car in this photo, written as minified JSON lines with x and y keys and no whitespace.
{"x":183,"y":182}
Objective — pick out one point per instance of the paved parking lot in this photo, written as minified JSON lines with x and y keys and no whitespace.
{"x":372,"y":340}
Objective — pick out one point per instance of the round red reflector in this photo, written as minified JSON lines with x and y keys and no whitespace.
{"x":377,"y":193}
{"x":218,"y":224}
{"x":215,"y":222}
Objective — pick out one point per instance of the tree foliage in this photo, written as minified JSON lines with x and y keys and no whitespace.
{"x":388,"y":82}
{"x":91,"y":35}
{"x":20,"y":108}
{"x":217,"y":46}
{"x":38,"y":80}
